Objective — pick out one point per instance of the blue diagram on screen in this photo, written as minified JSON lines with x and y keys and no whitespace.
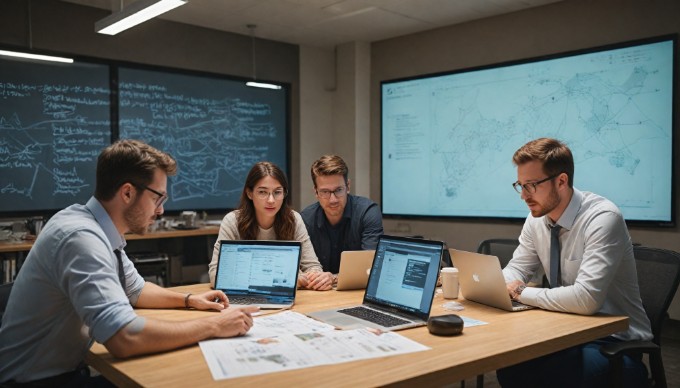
{"x":448,"y":140}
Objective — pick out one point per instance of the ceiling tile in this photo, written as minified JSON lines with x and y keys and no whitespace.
{"x":326,"y":23}
{"x":371,"y":24}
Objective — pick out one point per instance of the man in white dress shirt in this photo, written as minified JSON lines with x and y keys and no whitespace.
{"x":592,"y":271}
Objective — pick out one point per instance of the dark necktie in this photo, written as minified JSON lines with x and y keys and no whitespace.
{"x":121,"y":273}
{"x":555,"y":267}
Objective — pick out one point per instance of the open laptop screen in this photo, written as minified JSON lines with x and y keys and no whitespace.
{"x":404,"y":274}
{"x":258,"y":267}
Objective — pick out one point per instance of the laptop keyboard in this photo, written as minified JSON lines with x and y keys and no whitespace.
{"x":374,"y":316}
{"x":518,"y":305}
{"x":247,"y":300}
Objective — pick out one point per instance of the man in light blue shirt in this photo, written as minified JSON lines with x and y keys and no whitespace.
{"x":594,"y":270}
{"x":78,"y":285}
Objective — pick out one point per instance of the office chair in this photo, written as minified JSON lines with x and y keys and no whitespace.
{"x":658,"y":272}
{"x":503,"y":248}
{"x":4,"y":298}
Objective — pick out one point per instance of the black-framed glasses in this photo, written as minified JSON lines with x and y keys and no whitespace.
{"x":531,"y":186}
{"x":162,"y":198}
{"x":339,"y":193}
{"x":277,"y":194}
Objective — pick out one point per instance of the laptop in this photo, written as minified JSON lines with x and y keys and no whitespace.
{"x":400,"y":287}
{"x":481,"y":280}
{"x":354,"y":269}
{"x":260,"y":273}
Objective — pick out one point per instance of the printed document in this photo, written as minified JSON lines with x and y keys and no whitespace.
{"x":296,"y":348}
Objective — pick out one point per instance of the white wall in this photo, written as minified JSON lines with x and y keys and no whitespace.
{"x":317,"y":90}
{"x":335,"y":114}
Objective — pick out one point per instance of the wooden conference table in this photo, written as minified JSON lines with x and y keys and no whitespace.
{"x":507,"y":339}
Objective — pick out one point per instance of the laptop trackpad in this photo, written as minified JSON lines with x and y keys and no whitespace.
{"x":340,"y":320}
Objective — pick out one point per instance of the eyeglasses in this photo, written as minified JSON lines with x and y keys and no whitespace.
{"x":531,"y":186}
{"x":339,"y":193}
{"x":264,"y":194}
{"x":162,"y":198}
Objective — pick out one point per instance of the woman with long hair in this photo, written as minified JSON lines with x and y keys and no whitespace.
{"x":264,"y":213}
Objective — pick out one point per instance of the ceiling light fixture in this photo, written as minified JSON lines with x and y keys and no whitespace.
{"x":18,"y":54}
{"x":254,"y":83}
{"x":134,"y":14}
{"x":262,"y":85}
{"x":40,"y":57}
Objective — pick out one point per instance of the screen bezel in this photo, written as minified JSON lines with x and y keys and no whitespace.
{"x":374,"y":275}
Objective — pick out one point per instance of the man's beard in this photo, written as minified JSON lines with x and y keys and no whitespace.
{"x":552,"y":202}
{"x":134,"y":217}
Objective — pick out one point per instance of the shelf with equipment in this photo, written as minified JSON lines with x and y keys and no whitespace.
{"x":174,"y":250}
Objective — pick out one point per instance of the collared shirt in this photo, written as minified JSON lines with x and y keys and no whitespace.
{"x":67,"y":293}
{"x":598,"y":266}
{"x":359,"y":229}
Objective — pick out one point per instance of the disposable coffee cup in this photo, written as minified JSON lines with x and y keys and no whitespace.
{"x":449,"y":276}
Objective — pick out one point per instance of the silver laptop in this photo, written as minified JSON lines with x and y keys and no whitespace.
{"x":354,"y":269}
{"x":400,"y":287}
{"x":260,"y":273}
{"x":481,"y":280}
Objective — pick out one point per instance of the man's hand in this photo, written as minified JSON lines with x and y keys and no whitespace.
{"x":235,"y":321}
{"x":320,"y":281}
{"x":515,"y":288}
{"x":211,"y":300}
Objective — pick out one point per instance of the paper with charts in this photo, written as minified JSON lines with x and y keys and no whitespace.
{"x":250,"y":355}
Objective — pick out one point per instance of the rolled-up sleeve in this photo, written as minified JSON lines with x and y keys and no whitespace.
{"x":93,"y":285}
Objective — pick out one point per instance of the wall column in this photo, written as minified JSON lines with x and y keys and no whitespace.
{"x":335,"y":112}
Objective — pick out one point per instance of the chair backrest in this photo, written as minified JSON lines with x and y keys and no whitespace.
{"x":658,"y":272}
{"x":4,"y":297}
{"x":503,"y":248}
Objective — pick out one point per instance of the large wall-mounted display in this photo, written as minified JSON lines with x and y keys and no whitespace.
{"x":56,"y":118}
{"x":215,"y":128}
{"x":448,"y":139}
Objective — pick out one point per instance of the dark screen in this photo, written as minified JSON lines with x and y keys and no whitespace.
{"x":54,"y":121}
{"x":216,"y":129}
